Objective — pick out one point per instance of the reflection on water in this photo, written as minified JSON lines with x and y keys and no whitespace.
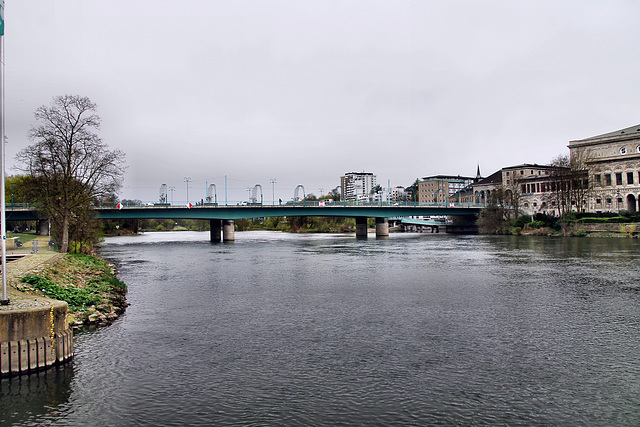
{"x":25,"y":398}
{"x":323,"y":329}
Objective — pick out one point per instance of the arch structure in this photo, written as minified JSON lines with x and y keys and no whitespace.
{"x":212,"y":194}
{"x":163,"y":193}
{"x":632,"y":203}
{"x":296,"y":193}
{"x":254,"y":193}
{"x":483,"y":196}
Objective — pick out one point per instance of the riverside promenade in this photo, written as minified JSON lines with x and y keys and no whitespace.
{"x":34,"y":334}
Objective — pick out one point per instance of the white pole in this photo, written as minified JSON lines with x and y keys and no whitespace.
{"x":3,"y":215}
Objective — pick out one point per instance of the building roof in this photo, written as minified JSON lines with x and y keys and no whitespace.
{"x":529,"y":166}
{"x":447,"y":178}
{"x":494,"y":178}
{"x":633,"y":131}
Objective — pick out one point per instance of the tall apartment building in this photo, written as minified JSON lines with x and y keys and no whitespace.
{"x":357,"y":185}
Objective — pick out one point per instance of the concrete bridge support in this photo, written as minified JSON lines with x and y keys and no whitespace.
{"x":43,"y":227}
{"x":215,"y":229}
{"x":228,"y":230}
{"x":361,"y":228}
{"x":382,"y":227}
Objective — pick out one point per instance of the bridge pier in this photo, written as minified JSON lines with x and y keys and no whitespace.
{"x":361,"y":227}
{"x":215,"y":232}
{"x":43,"y":227}
{"x":382,"y":227}
{"x":228,"y":230}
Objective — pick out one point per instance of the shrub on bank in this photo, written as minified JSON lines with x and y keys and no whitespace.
{"x":86,"y":283}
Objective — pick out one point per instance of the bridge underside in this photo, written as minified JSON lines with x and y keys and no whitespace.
{"x":238,"y":212}
{"x":222,"y":217}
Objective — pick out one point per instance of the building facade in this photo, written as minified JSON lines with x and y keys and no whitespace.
{"x":534,"y":187}
{"x":357,"y":186}
{"x":398,"y":194}
{"x":442,"y":188}
{"x":613,"y":164}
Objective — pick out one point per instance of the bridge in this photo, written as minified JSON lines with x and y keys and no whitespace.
{"x":221,"y":217}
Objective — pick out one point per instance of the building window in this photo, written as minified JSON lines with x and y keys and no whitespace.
{"x":526,"y":205}
{"x":630,"y":178}
{"x":607,"y":179}
{"x":608,"y":201}
{"x":618,"y":178}
{"x":535,"y":204}
{"x":598,"y":180}
{"x":623,"y":150}
{"x":598,"y":201}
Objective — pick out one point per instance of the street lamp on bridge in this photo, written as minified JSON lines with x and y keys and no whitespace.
{"x":273,"y":190}
{"x":187,"y":179}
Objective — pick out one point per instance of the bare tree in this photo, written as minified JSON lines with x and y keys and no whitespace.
{"x":570,"y":186}
{"x":512,"y":193}
{"x":73,"y":166}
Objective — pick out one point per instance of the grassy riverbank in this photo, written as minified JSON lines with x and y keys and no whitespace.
{"x":87,"y":283}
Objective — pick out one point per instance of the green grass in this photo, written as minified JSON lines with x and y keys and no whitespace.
{"x":23,"y":237}
{"x":77,"y":299}
{"x":96,"y":274}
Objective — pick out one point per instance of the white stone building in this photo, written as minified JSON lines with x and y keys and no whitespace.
{"x":613,"y":163}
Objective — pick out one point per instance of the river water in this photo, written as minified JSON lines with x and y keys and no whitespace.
{"x":417,"y":329}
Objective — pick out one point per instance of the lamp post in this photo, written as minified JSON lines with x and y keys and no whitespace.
{"x":171,"y":190}
{"x":273,"y":190}
{"x":187,"y":179}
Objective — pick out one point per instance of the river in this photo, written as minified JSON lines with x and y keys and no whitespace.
{"x":313,"y":329}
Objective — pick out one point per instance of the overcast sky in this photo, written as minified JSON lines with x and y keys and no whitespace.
{"x":304,"y":91}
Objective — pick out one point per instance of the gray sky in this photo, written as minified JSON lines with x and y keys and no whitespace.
{"x":304,"y":91}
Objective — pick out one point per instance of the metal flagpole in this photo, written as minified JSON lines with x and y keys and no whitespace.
{"x":3,"y":215}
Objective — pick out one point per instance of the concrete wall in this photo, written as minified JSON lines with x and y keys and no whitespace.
{"x":34,"y":338}
{"x":630,"y":229}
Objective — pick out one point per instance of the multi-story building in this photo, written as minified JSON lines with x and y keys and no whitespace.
{"x":613,"y":164}
{"x":533,"y":185}
{"x":398,"y":194}
{"x":358,"y":185}
{"x":442,"y":188}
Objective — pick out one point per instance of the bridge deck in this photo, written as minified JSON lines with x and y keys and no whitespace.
{"x":257,"y":211}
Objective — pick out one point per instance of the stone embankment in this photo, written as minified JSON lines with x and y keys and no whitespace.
{"x":34,"y":330}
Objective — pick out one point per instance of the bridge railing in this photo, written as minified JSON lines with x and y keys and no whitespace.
{"x":300,"y":203}
{"x":20,"y":206}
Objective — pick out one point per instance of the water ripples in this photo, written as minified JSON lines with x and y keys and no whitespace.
{"x":324,"y":330}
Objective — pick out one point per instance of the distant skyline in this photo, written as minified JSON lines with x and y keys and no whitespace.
{"x":305,"y":91}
